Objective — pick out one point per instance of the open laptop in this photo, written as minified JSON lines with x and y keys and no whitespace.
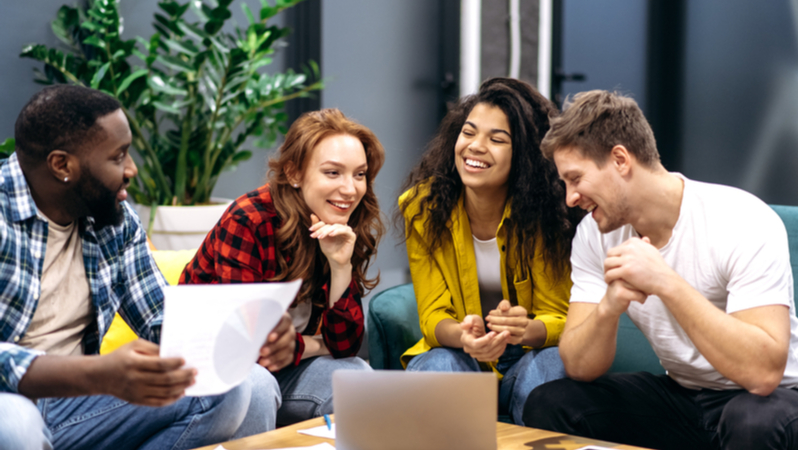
{"x":391,"y":409}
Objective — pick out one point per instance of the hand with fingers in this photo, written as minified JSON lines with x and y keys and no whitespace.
{"x":484,"y":347}
{"x":619,"y":296}
{"x":335,"y":240}
{"x":639,"y":264}
{"x":278,"y":351}
{"x":135,"y":373}
{"x":507,"y":318}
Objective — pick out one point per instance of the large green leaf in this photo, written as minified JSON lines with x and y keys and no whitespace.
{"x":185,"y":47}
{"x":166,"y":108}
{"x":7,"y":148}
{"x":130,"y":79}
{"x":96,"y":41}
{"x":176,"y":63}
{"x":158,"y":84}
{"x":98,"y":76}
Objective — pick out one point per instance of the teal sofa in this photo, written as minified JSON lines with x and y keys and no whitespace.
{"x":393,"y":323}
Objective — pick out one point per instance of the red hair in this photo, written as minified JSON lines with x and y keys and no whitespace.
{"x":307,"y":261}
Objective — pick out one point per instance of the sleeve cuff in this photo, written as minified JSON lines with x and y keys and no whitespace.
{"x":299,"y":348}
{"x":554,"y":326}
{"x":429,"y":329}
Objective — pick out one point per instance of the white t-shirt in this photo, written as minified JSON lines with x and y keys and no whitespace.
{"x":729,"y":246}
{"x":487,"y":261}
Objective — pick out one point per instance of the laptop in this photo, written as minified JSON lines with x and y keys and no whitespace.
{"x":390,"y":409}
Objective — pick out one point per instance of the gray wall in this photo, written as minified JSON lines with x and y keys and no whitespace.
{"x":606,"y":41}
{"x":382,"y":61}
{"x":740,"y":101}
{"x":739,"y":116}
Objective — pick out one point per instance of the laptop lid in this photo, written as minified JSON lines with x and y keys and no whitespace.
{"x":392,"y":409}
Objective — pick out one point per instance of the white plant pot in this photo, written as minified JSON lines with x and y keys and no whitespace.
{"x":181,"y":227}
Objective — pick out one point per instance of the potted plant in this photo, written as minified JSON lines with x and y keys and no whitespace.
{"x":194,"y":96}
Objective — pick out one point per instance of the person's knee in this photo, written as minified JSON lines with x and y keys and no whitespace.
{"x":232,"y":405}
{"x":262,"y":407}
{"x":22,"y":426}
{"x":543,"y":366}
{"x":355,"y":363}
{"x":752,"y":421}
{"x":443,"y":359}
{"x":544,"y":404}
{"x":264,"y":387}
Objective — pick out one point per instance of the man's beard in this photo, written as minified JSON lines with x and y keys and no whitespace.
{"x":616,"y":214}
{"x":100,"y":201}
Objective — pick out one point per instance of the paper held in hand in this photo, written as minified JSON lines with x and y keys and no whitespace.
{"x":219,"y":328}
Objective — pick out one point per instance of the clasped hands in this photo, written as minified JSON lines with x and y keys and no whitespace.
{"x":506,"y":325}
{"x":633,"y":271}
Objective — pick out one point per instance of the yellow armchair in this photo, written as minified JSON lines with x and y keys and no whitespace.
{"x":171,"y":263}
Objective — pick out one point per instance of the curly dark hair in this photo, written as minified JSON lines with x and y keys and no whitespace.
{"x":538,"y":208}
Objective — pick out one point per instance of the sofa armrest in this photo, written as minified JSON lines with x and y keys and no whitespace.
{"x":392,"y":326}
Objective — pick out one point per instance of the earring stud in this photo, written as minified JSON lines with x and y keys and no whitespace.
{"x":66,"y":179}
{"x":296,"y":185}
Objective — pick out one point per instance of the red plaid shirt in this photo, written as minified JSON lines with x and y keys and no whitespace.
{"x":241,"y":249}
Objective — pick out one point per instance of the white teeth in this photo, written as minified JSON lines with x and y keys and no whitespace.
{"x":340,"y":205}
{"x":591,"y":208}
{"x":478,"y":164}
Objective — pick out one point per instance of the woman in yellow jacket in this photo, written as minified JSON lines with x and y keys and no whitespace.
{"x":488,"y":237}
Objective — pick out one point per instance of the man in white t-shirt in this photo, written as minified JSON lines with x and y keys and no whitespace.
{"x":702,"y":269}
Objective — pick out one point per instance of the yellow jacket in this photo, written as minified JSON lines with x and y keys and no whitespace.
{"x":446,"y":282}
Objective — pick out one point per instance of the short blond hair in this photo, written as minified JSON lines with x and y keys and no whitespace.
{"x":595,"y":121}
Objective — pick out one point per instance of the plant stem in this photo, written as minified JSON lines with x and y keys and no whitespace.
{"x":180,"y":168}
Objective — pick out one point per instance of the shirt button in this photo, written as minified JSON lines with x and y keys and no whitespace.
{"x":36,"y":296}
{"x":37,"y":255}
{"x":16,"y":338}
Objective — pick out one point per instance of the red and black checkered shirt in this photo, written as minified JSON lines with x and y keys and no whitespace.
{"x":241,"y":249}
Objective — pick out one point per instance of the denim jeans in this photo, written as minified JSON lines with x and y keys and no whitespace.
{"x":522,"y":371}
{"x":654,"y":411}
{"x":307,"y":389}
{"x":103,"y":421}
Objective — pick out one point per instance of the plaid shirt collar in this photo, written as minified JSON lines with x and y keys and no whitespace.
{"x":22,"y":205}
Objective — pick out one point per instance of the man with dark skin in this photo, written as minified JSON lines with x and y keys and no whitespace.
{"x":74,"y":254}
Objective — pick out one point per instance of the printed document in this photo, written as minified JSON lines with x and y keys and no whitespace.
{"x":220,"y":328}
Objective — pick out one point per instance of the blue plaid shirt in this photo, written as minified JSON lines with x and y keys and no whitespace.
{"x":121,"y":272}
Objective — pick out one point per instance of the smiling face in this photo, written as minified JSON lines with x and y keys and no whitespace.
{"x":597,"y":190}
{"x":483,"y":149}
{"x":106,"y":169}
{"x":335,"y":178}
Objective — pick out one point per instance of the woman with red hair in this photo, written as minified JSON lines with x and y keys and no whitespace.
{"x":317,"y":219}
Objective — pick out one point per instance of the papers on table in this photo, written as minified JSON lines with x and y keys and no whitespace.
{"x":219,"y":328}
{"x":322,"y":431}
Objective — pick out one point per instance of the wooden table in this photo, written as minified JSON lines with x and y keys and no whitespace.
{"x":509,"y":437}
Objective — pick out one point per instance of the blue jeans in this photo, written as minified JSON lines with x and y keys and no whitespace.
{"x":307,"y":389}
{"x":103,"y":421}
{"x":522,"y":371}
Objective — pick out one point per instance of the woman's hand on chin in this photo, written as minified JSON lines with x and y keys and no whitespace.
{"x":335,"y":240}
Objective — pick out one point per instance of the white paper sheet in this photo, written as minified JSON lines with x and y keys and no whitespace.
{"x":322,"y":431}
{"x":219,"y":328}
